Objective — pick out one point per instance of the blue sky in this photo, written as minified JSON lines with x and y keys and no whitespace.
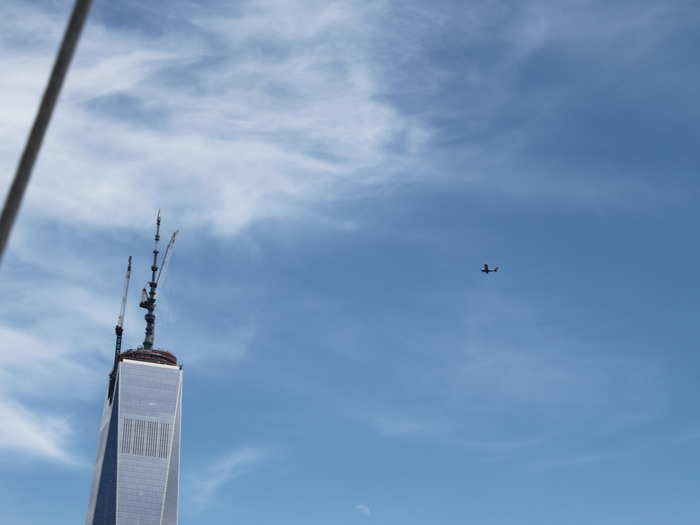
{"x":339,"y":172}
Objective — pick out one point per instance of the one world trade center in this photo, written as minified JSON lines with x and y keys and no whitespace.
{"x":136,"y":479}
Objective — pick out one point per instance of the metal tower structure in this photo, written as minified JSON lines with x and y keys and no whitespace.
{"x":148,"y":299}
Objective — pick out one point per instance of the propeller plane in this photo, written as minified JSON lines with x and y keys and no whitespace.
{"x":488,"y":270}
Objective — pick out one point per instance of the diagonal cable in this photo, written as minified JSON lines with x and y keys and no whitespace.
{"x":41,"y":122}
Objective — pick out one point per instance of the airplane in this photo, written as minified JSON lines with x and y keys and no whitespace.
{"x":488,"y":270}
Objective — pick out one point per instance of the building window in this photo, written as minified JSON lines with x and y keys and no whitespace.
{"x":140,"y":437}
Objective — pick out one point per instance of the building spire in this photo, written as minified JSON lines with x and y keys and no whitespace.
{"x":148,"y":300}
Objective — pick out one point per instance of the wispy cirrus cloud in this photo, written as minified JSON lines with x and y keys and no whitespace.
{"x":577,"y":460}
{"x":394,"y":426}
{"x":39,"y":375}
{"x":232,"y":114}
{"x":234,"y":464}
{"x":204,"y":118}
{"x":225,"y":114}
{"x":34,"y":434}
{"x":363,"y":509}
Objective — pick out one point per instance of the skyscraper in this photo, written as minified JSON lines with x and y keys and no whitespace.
{"x":136,"y":479}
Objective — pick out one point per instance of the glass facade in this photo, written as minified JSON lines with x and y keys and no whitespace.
{"x":136,"y":479}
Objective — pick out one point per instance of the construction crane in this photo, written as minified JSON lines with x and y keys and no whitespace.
{"x":119,"y":330}
{"x":166,"y":259}
{"x":148,"y":299}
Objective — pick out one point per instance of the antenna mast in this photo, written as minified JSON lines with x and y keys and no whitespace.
{"x":148,"y":299}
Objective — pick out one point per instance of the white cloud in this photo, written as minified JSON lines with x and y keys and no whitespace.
{"x":234,"y":464}
{"x":33,"y":366}
{"x":229,"y":134}
{"x":363,"y":509}
{"x":501,"y":447}
{"x":34,"y":434}
{"x":229,"y":114}
{"x":577,"y":460}
{"x":402,"y":426}
{"x":254,"y":114}
{"x":41,"y":372}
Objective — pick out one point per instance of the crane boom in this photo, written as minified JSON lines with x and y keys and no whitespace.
{"x":165,"y":260}
{"x":127,"y":278}
{"x":119,"y":330}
